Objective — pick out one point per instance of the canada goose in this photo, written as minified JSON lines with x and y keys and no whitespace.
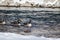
{"x":17,"y":22}
{"x":28,"y":24}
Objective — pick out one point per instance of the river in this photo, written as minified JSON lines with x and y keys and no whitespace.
{"x":45,"y":21}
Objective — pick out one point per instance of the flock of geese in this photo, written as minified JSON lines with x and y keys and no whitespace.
{"x":19,"y":22}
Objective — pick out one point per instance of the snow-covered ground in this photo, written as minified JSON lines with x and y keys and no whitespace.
{"x":13,"y":36}
{"x":39,"y":2}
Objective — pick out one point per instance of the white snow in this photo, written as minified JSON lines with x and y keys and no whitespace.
{"x":41,"y":2}
{"x":13,"y":36}
{"x":1,"y":1}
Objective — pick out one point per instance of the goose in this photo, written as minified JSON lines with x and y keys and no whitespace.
{"x":28,"y":24}
{"x":16,"y":22}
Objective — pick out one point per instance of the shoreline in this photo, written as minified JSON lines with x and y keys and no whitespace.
{"x":29,"y":6}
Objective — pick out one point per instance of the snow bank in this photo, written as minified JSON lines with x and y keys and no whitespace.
{"x":29,"y":2}
{"x":12,"y":36}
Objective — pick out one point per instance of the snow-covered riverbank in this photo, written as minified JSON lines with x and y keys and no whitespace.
{"x":38,"y":3}
{"x":13,"y":36}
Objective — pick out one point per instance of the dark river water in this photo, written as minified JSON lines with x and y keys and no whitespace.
{"x":45,"y":21}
